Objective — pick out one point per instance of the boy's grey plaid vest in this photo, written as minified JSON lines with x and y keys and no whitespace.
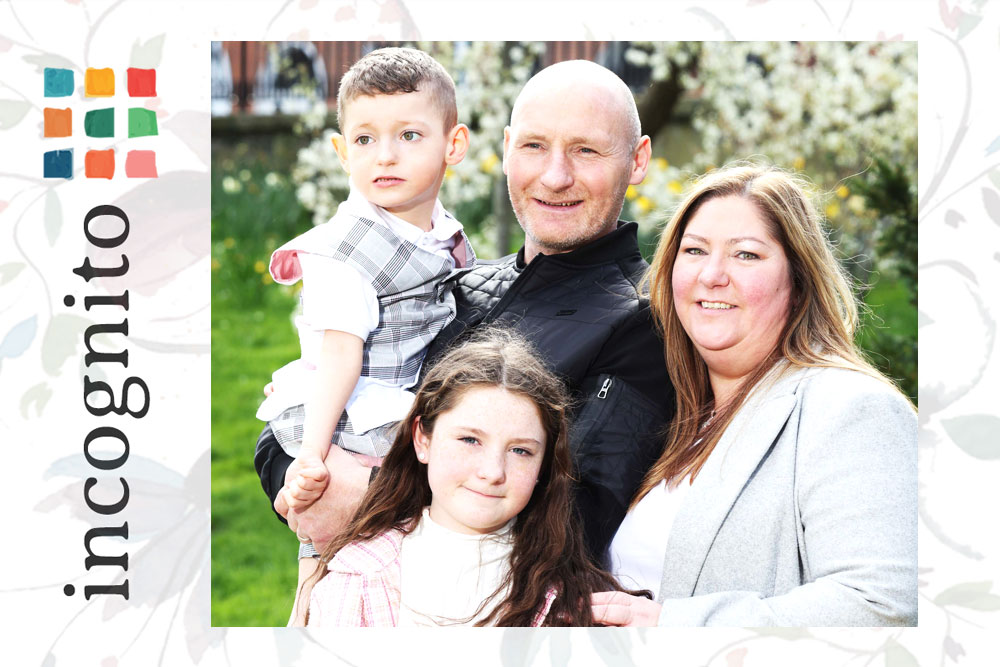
{"x":414,"y":302}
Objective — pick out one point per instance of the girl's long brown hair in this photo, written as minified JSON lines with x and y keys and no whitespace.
{"x":819,"y":330}
{"x":548,"y":549}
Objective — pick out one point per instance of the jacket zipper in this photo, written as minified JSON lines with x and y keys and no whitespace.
{"x":603,"y":393}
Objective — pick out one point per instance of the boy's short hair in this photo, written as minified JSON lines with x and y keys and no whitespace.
{"x":395,"y":70}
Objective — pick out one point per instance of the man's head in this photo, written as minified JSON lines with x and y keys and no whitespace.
{"x":397,"y":116}
{"x":572,"y":149}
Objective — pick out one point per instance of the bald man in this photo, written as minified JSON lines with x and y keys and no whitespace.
{"x":572,"y":149}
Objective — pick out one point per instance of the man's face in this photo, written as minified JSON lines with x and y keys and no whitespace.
{"x":568,"y":163}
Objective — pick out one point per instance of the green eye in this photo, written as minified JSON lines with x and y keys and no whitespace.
{"x":410,"y":135}
{"x":364,"y":140}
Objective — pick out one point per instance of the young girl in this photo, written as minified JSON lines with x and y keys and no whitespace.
{"x":469,"y":520}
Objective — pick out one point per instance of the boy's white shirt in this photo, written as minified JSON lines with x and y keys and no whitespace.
{"x":353,"y":308}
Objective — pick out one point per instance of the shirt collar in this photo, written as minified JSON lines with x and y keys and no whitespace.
{"x":443,"y":224}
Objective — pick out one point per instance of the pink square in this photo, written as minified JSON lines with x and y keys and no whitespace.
{"x":140,"y":164}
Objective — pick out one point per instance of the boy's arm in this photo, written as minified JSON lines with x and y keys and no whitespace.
{"x":336,"y":375}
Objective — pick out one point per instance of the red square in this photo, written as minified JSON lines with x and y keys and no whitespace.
{"x":100,"y":164}
{"x":141,"y":82}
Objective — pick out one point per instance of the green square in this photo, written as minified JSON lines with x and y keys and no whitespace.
{"x":141,"y":122}
{"x":99,"y":123}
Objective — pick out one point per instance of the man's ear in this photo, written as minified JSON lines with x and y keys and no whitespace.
{"x":506,"y":143}
{"x":639,"y":162}
{"x":340,"y":145}
{"x":458,"y":144}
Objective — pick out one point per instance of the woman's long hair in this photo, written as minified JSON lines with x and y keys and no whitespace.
{"x":819,"y":329}
{"x":548,"y":550}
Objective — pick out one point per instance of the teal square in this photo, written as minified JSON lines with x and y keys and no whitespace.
{"x":99,"y":123}
{"x":141,"y":122}
{"x":58,"y":82}
{"x":57,"y":164}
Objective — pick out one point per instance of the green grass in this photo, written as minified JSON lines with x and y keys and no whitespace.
{"x":254,"y":563}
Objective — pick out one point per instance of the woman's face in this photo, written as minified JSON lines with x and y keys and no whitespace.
{"x":731,"y":285}
{"x":483,"y":459}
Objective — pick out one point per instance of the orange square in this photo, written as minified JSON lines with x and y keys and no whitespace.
{"x":58,"y":122}
{"x":100,"y":164}
{"x":99,"y":82}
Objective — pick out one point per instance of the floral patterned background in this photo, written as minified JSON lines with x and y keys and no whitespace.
{"x":166,"y":619}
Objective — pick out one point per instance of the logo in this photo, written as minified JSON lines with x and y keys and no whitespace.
{"x":98,"y":123}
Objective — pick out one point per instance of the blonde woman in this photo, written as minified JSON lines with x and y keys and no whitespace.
{"x":786,"y":493}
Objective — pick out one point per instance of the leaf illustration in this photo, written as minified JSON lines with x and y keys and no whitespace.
{"x":53,"y":216}
{"x":614,"y":648}
{"x":12,"y":112}
{"x":736,"y":657}
{"x":62,"y":339}
{"x":519,"y":646}
{"x":971,"y":595}
{"x":992,"y":202}
{"x":896,"y":655}
{"x":953,"y":217}
{"x":993,"y":147}
{"x":38,"y":396}
{"x":966,"y":23}
{"x":49,"y":60}
{"x":192,"y":127}
{"x":923,"y":319}
{"x":975,"y":434}
{"x":148,"y":55}
{"x":9,"y":271}
{"x":18,"y":338}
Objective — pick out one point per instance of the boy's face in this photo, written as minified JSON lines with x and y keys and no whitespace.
{"x":396,"y":150}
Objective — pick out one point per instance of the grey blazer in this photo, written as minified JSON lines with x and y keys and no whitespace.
{"x":805,"y":514}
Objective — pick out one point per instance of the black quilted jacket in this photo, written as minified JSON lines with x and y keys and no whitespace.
{"x":583,"y":313}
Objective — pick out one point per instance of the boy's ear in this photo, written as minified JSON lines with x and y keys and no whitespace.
{"x":458,"y":144}
{"x":340,"y":145}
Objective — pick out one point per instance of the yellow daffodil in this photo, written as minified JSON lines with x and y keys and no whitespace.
{"x":487,"y":164}
{"x":631,"y":193}
{"x":832,"y":210}
{"x":675,"y":187}
{"x":643,"y":204}
{"x":842,"y":192}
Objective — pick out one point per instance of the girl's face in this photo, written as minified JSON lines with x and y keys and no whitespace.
{"x":483,"y":459}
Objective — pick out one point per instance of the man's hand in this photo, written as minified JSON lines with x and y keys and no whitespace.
{"x":624,"y":610}
{"x":330,"y":514}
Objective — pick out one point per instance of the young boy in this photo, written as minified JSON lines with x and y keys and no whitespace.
{"x":372,"y":299}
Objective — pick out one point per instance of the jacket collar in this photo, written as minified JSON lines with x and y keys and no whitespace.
{"x":616,"y":244}
{"x":746,"y":441}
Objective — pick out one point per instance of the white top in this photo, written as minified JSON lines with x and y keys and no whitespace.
{"x":637,"y":551}
{"x":445,"y":575}
{"x":349,"y":303}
